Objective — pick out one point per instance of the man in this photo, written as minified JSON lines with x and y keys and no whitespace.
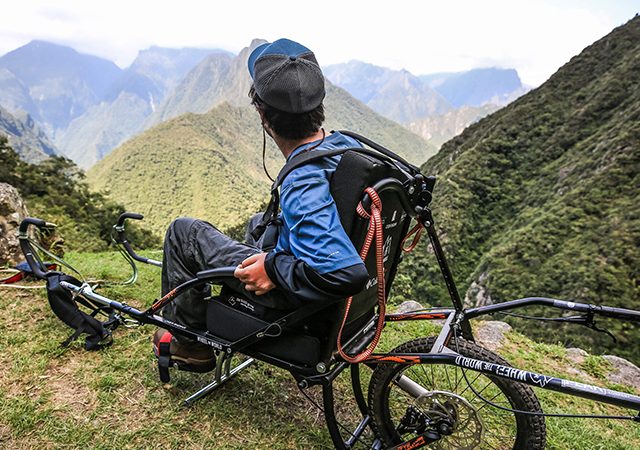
{"x":313,"y":259}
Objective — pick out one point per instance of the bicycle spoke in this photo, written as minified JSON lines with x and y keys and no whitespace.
{"x":455,"y":388}
{"x":446,"y":371}
{"x":470,"y":383}
{"x":491,"y":400}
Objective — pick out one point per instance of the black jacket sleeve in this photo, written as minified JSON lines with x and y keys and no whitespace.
{"x":300,"y":282}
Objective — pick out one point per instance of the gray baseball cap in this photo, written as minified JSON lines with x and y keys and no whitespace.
{"x":287,"y":76}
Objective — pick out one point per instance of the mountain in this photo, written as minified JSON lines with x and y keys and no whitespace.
{"x":166,"y":67}
{"x":209,"y":166}
{"x":103,"y":127}
{"x":345,"y":112}
{"x":55,"y":190}
{"x":395,"y":94}
{"x":61,"y":83}
{"x":200,"y":165}
{"x":25,"y":137}
{"x":477,"y":87}
{"x":542,"y":197}
{"x":127,"y":103}
{"x":217,"y":79}
{"x":223,"y":79}
{"x":437,"y":106}
{"x":439,"y":129}
{"x":14,"y":95}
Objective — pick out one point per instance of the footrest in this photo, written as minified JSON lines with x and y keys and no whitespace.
{"x":163,"y":340}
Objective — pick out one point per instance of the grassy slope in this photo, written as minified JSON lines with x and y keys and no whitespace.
{"x":541,"y":198}
{"x":205,"y":166}
{"x":53,"y":398}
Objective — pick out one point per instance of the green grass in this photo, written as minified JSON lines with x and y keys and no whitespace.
{"x":52,"y":397}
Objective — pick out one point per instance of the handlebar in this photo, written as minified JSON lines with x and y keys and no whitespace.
{"x":128,"y":215}
{"x":606,"y":311}
{"x":34,"y":262}
{"x":24,"y":225}
{"x":618,"y":313}
{"x":122,"y":238}
{"x":221,"y":272}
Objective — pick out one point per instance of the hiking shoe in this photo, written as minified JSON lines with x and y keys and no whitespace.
{"x":190,"y":356}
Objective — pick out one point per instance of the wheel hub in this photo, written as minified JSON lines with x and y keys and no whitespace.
{"x":453,"y":417}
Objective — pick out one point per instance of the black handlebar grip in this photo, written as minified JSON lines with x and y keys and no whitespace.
{"x":26,"y":248}
{"x":128,"y":215}
{"x":619,"y":313}
{"x":24,"y":225}
{"x":220,"y":272}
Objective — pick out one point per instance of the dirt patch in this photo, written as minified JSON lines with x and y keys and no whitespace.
{"x":67,"y":391}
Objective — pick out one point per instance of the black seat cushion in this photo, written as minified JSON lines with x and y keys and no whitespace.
{"x":230,"y":317}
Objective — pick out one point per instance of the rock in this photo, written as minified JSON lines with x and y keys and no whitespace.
{"x":408,"y":306}
{"x":576,"y":355}
{"x":12,"y":211}
{"x":490,"y":333}
{"x":477,"y":294}
{"x":624,"y":372}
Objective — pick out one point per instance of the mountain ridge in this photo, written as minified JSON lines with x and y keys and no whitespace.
{"x":396,"y":94}
{"x":25,"y":137}
{"x":210,"y":163}
{"x":541,"y":197}
{"x":62,"y":83}
{"x":129,"y":101}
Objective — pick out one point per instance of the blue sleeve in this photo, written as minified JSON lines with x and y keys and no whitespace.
{"x":316,"y":234}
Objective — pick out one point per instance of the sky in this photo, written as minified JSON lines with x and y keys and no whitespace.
{"x":534,"y":37}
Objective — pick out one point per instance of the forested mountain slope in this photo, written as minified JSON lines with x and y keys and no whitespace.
{"x":543,"y":197}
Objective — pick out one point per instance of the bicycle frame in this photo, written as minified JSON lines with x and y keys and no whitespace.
{"x":458,"y":319}
{"x":444,"y":355}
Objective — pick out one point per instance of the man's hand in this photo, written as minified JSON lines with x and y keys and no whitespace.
{"x":251,"y":272}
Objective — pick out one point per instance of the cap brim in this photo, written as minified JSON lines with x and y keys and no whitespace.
{"x":255,"y":54}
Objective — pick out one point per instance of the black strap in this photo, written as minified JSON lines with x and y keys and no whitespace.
{"x":164,"y":361}
{"x":380,"y":148}
{"x":73,"y":337}
{"x":64,"y":306}
{"x":271,"y":213}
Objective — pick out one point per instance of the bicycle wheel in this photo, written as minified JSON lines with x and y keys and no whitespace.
{"x":408,"y":400}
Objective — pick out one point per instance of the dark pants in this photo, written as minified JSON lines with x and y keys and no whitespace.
{"x":193,"y":245}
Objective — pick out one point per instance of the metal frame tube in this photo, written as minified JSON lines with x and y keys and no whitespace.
{"x":209,"y":388}
{"x":606,"y":311}
{"x":611,"y":397}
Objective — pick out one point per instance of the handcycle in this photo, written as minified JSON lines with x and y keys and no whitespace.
{"x":445,"y":391}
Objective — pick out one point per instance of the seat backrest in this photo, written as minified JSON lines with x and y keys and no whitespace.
{"x":355,"y":172}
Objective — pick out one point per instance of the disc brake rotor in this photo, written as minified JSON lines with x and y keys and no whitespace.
{"x":448,"y":408}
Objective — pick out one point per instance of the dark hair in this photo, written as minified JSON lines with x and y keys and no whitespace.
{"x":289,"y":125}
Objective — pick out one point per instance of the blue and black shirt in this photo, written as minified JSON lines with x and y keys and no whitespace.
{"x":314,"y":258}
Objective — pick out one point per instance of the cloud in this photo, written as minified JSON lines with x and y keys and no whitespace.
{"x":55,"y":14}
{"x":420,"y":36}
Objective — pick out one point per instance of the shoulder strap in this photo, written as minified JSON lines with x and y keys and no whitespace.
{"x":301,"y":159}
{"x":380,"y":148}
{"x":271,"y":213}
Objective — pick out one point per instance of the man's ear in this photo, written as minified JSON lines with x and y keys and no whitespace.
{"x":265,"y":125}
